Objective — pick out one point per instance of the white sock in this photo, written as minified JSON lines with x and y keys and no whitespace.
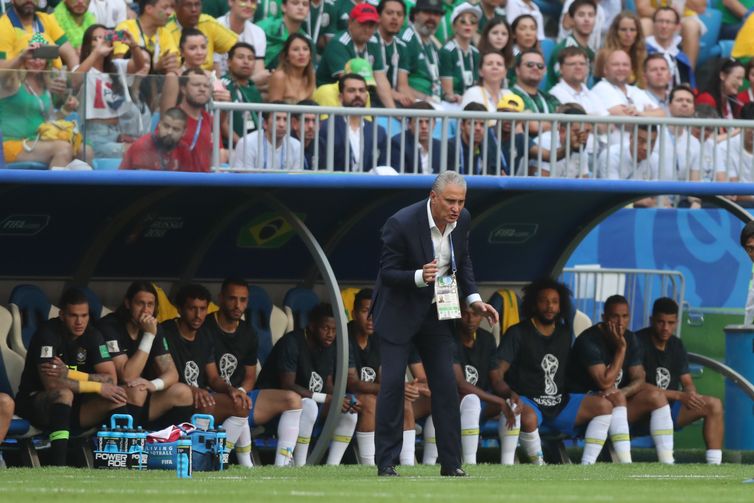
{"x":471,"y":408}
{"x":234,"y":425}
{"x":243,"y":446}
{"x":594,"y":438}
{"x":309,"y":411}
{"x":430,"y":443}
{"x":661,"y":428}
{"x":508,"y":440}
{"x":619,"y":434}
{"x":714,"y":456}
{"x":365,"y":441}
{"x":532,"y":445}
{"x":342,"y":437}
{"x":287,"y":435}
{"x":408,"y":450}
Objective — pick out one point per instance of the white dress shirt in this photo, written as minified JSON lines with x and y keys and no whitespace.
{"x":583,"y":96}
{"x":286,"y":155}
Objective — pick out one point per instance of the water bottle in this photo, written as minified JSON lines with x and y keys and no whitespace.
{"x":102,"y":436}
{"x":119,"y":439}
{"x":183,"y":458}
{"x":221,"y":439}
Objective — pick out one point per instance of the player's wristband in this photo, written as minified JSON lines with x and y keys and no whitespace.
{"x":75,"y":375}
{"x":319,"y":397}
{"x":146,"y":342}
{"x":158,"y":383}
{"x":242,"y":390}
{"x":90,"y":387}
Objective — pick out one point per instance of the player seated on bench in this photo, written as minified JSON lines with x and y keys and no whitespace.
{"x":193,"y":353}
{"x":304,"y":361}
{"x":6,"y":416}
{"x":534,"y":357}
{"x":476,"y":369}
{"x":667,"y":366}
{"x":69,"y":381}
{"x":364,"y":381}
{"x":235,"y":348}
{"x":142,"y":361}
{"x":606,"y":360}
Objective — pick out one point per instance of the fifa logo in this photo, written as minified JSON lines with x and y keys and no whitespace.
{"x":662,"y":378}
{"x":471,"y":374}
{"x":228,"y":365}
{"x":315,"y":383}
{"x":191,"y":373}
{"x":368,"y":374}
{"x":550,"y":366}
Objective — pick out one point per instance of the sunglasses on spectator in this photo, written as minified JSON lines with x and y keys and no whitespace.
{"x":532,"y":64}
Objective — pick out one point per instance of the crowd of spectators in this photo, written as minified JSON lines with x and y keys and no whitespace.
{"x":136,"y":77}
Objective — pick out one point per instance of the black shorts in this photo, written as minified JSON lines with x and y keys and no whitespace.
{"x":36,"y":410}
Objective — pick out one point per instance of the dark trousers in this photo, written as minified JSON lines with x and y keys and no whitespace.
{"x":435,"y":345}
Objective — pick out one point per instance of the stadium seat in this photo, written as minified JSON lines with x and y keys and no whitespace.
{"x":507,"y":303}
{"x":297,"y":303}
{"x":28,"y":165}
{"x":11,"y":366}
{"x":96,"y":309}
{"x":580,"y":323}
{"x":708,"y":46}
{"x":725,"y":47}
{"x":547,"y":46}
{"x":29,"y":307}
{"x":349,"y":297}
{"x":259,"y":313}
{"x":106,"y":164}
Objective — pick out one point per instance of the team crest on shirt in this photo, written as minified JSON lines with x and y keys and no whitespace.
{"x":368,"y":374}
{"x":471,"y":374}
{"x":316,"y":384}
{"x":191,"y":373}
{"x":662,"y":378}
{"x":228,"y":365}
{"x":81,"y":356}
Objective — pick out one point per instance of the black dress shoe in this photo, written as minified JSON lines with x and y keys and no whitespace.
{"x":452,"y":472}
{"x":387,"y":471}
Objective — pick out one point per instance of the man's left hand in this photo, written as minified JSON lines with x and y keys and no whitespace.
{"x":486,"y":310}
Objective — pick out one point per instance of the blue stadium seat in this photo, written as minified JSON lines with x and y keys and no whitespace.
{"x":547,"y":46}
{"x":708,"y":47}
{"x":28,"y":165}
{"x":106,"y":164}
{"x":630,"y":5}
{"x":297,"y":304}
{"x":258,"y":313}
{"x":29,"y":307}
{"x":725,"y":47}
{"x":550,"y":8}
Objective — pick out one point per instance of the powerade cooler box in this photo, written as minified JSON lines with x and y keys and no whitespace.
{"x":120,"y":445}
{"x":207,"y":448}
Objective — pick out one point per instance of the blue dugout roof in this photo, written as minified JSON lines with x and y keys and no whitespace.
{"x":86,"y":225}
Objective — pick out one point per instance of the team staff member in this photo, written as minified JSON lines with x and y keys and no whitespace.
{"x":193,"y":353}
{"x":68,"y":382}
{"x":142,"y":361}
{"x":235,"y":347}
{"x":667,"y":366}
{"x":421,"y":243}
{"x":304,"y":361}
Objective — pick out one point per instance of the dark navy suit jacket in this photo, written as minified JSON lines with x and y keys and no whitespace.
{"x":399,"y":306}
{"x":341,"y":143}
{"x":408,"y":154}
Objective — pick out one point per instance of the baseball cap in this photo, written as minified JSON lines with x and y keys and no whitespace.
{"x":365,"y":13}
{"x":463,"y":8}
{"x":361,"y":66}
{"x":511,"y":103}
{"x":429,"y":6}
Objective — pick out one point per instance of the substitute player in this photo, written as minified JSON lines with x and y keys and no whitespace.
{"x":606,"y":359}
{"x":142,"y":361}
{"x":235,"y":348}
{"x":534,"y":358}
{"x":667,"y":367}
{"x":193,"y":353}
{"x":69,"y":381}
{"x":304,"y":361}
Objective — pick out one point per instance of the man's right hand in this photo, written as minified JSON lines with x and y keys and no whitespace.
{"x":614,"y":335}
{"x":202,"y":398}
{"x":692,"y":401}
{"x":148,"y":323}
{"x":429,"y":272}
{"x":411,"y":391}
{"x":114,"y":393}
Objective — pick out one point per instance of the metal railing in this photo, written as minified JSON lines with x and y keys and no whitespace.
{"x":591,"y":286}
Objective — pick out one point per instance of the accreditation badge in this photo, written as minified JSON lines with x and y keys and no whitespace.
{"x":446,"y":297}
